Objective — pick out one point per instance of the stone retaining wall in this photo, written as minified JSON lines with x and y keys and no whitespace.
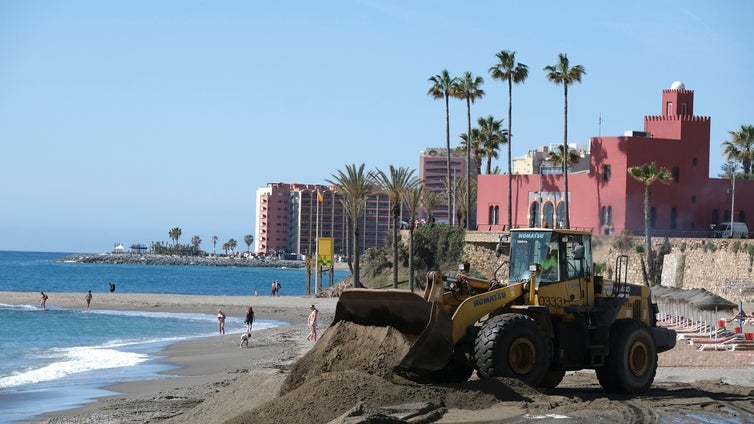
{"x":722,"y":266}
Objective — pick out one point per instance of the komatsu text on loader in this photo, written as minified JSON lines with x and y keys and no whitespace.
{"x":551,"y":315}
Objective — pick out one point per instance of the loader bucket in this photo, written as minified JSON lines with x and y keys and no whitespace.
{"x":427,"y":326}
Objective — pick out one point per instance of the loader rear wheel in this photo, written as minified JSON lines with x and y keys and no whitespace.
{"x":512,"y":345}
{"x":632,"y":363}
{"x":551,"y":379}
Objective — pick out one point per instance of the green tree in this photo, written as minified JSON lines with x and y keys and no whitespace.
{"x":355,"y":186}
{"x":196,"y":241}
{"x":468,"y":88}
{"x":430,"y":200}
{"x":740,"y":148}
{"x":462,"y":211}
{"x":175,"y":234}
{"x":475,"y":148}
{"x":563,"y":73}
{"x":214,"y":244}
{"x":412,"y":197}
{"x":231,"y":245}
{"x":492,"y":135}
{"x":507,"y":69}
{"x":649,"y":174}
{"x":555,"y":157}
{"x":393,"y":185}
{"x":443,"y":87}
{"x":248,"y":239}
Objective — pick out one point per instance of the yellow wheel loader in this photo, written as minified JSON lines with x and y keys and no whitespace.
{"x":550,"y":315}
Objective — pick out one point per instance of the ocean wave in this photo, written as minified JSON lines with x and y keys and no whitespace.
{"x":74,"y":360}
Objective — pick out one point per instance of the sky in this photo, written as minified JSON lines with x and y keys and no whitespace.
{"x":122,"y":120}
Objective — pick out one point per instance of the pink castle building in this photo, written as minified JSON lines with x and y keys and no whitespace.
{"x":607,"y":200}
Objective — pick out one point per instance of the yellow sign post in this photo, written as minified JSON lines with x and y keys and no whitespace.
{"x":325,"y":254}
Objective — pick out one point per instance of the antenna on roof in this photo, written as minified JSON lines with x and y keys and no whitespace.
{"x":599,"y":126}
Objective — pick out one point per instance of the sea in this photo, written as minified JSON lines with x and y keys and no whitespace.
{"x":60,"y":358}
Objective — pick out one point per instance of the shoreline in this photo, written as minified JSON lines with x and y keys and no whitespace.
{"x":213,"y":375}
{"x":199,"y":366}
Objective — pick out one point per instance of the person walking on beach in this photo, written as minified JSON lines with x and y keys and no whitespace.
{"x":88,"y":299}
{"x":249,"y":319}
{"x":43,"y":300}
{"x":221,"y":321}
{"x":312,"y":323}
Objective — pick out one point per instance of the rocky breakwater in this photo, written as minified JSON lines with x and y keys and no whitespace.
{"x":150,"y":259}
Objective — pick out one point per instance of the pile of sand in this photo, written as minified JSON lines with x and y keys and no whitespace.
{"x":350,"y":370}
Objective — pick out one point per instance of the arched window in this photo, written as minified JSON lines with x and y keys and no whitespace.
{"x":561,"y":214}
{"x":673,"y":218}
{"x":653,"y":218}
{"x":534,"y":218}
{"x":741,"y":216}
{"x":548,"y":215}
{"x":715,"y":216}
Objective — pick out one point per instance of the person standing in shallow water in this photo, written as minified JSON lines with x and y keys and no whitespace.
{"x":312,"y":323}
{"x":221,"y":321}
{"x":43,"y":300}
{"x":249,"y":319}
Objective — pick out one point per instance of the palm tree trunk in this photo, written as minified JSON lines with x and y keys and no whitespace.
{"x":356,"y":257}
{"x":411,"y":256}
{"x":567,"y":221}
{"x":395,"y":248}
{"x":510,"y":176}
{"x":468,"y":163}
{"x":447,"y":149}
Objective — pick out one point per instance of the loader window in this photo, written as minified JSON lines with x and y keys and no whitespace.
{"x":528,"y":247}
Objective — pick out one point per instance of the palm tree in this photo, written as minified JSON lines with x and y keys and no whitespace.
{"x":214,"y":245}
{"x":195,"y":242}
{"x":491,"y":137}
{"x":175,"y":234}
{"x":393,"y":185}
{"x":648,"y":174}
{"x":355,"y":185}
{"x":412,"y":197}
{"x":248,"y":239}
{"x":563,"y":73}
{"x":741,"y":147}
{"x":462,"y":212}
{"x":430,"y":200}
{"x":232,"y":245}
{"x":443,"y":87}
{"x":556,"y":157}
{"x":508,"y":70}
{"x":475,"y":148}
{"x":468,"y":89}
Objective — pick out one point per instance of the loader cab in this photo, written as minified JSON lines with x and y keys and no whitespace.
{"x":563,"y":254}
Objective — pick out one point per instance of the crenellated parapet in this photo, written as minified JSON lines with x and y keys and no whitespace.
{"x":677,"y":90}
{"x":686,"y":118}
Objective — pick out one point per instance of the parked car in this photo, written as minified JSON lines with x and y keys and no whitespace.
{"x":737,"y":230}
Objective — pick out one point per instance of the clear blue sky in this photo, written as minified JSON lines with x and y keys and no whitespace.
{"x":122,"y":120}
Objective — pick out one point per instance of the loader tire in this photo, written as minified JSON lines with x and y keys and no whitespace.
{"x":551,"y":379}
{"x":631,"y":365}
{"x":512,"y":345}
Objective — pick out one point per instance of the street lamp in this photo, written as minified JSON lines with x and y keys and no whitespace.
{"x":540,"y":208}
{"x":732,"y":198}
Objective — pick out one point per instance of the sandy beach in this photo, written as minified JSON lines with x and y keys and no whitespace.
{"x":216,"y":381}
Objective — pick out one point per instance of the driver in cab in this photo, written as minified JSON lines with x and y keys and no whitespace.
{"x":550,"y":266}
